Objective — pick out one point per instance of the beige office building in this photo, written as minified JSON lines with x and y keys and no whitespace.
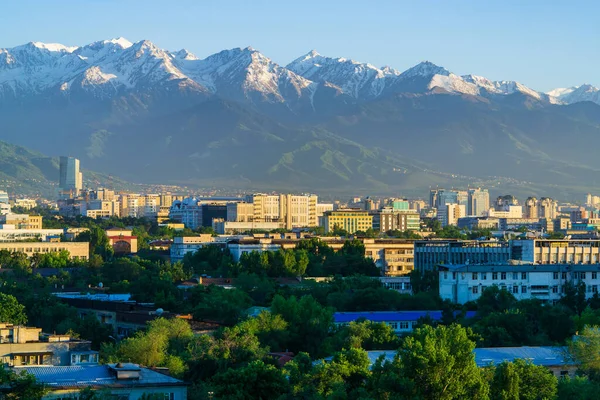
{"x":348,"y":219}
{"x":77,"y":250}
{"x":294,"y":211}
{"x":22,"y":221}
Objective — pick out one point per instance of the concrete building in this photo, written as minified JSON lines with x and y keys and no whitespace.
{"x":71,"y":179}
{"x":222,"y":227}
{"x":22,"y":221}
{"x":122,"y":240}
{"x":546,"y":282}
{"x":188,"y":244}
{"x":389,"y":218}
{"x":77,"y":250}
{"x":26,"y":346}
{"x":122,"y":381}
{"x":449,"y":213}
{"x":295,"y":211}
{"x":4,"y":197}
{"x":8,"y":233}
{"x":349,"y":219}
{"x":547,"y":208}
{"x":26,"y":204}
{"x":530,"y":210}
{"x":478,"y":202}
{"x":478,"y":223}
{"x":430,"y":253}
{"x":402,"y":322}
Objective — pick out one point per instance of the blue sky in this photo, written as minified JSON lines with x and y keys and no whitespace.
{"x":543,"y":44}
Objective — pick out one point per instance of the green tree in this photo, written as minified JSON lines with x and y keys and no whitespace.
{"x":11,"y":311}
{"x":584,"y":350}
{"x":309,"y":323}
{"x":19,"y":385}
{"x":257,"y":380}
{"x":505,"y":385}
{"x":441,"y":364}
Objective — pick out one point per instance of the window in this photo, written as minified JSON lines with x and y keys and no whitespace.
{"x":554,"y":289}
{"x":494,"y":276}
{"x":582,"y":275}
{"x":523,"y":275}
{"x":475,"y":290}
{"x":445,"y":275}
{"x":503,"y":275}
{"x":523,"y":289}
{"x":555,"y":275}
{"x":404,"y":325}
{"x":563,"y":276}
{"x":515,"y":289}
{"x":393,"y":325}
{"x":594,"y":288}
{"x":483,"y":276}
{"x":474,"y":276}
{"x":575,"y":275}
{"x":515,"y":275}
{"x":454,"y":275}
{"x":594,"y":275}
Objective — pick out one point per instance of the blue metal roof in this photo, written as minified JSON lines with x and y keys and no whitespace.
{"x":95,"y":375}
{"x":390,"y":316}
{"x":546,"y":356}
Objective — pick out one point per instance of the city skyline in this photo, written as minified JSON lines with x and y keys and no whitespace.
{"x":527,"y":37}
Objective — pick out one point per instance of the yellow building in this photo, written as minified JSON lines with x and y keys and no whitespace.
{"x":22,"y":221}
{"x":77,"y":250}
{"x":349,"y":219}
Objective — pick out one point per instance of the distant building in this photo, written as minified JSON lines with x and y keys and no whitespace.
{"x":389,"y":218}
{"x":222,"y":227}
{"x":122,"y":241}
{"x":478,"y":223}
{"x":22,"y":221}
{"x":188,"y":244}
{"x":77,"y":250}
{"x":349,"y":219}
{"x":71,"y":179}
{"x":449,"y":213}
{"x":479,"y":202}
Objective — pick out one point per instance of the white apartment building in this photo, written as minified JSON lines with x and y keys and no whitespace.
{"x":463,"y":283}
{"x":449,"y":213}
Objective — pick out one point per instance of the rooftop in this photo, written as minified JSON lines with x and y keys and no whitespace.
{"x":386,"y":316}
{"x":98,"y":376}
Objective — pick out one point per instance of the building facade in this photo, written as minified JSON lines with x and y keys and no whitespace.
{"x":71,"y":179}
{"x":351,"y":220}
{"x":77,"y":250}
{"x":546,"y":282}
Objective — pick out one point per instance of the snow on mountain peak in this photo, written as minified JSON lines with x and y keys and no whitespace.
{"x":54,"y":47}
{"x":183,"y":54}
{"x":121,"y":41}
{"x":425,"y":69}
{"x":575,"y":94}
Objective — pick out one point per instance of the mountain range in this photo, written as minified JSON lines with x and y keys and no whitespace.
{"x":238,"y":119}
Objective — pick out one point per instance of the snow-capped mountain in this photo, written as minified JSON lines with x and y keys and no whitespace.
{"x":109,"y":68}
{"x":359,"y":80}
{"x":245,"y":74}
{"x":577,"y":94}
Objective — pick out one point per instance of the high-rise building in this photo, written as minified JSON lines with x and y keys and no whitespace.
{"x":547,"y":208}
{"x":479,"y":202}
{"x":71,"y":179}
{"x":450,"y":213}
{"x":3,"y":197}
{"x":531,"y":208}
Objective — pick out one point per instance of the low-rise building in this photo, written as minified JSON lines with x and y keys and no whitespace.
{"x":188,"y":244}
{"x":122,"y":240}
{"x":22,"y":221}
{"x":430,"y":253}
{"x":546,"y":282}
{"x":77,"y":250}
{"x":123,"y":381}
{"x":223,"y":227}
{"x":400,"y":321}
{"x":26,"y":346}
{"x":8,"y":233}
